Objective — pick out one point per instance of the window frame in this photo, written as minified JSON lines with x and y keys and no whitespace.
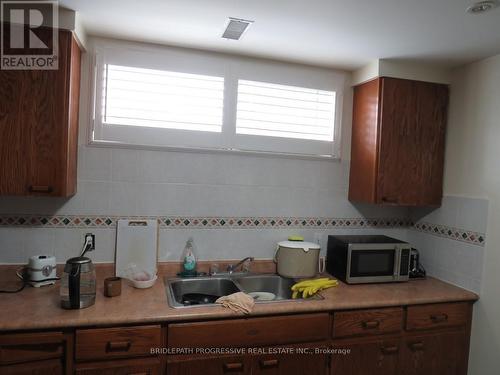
{"x":292,"y":146}
{"x":232,"y":69}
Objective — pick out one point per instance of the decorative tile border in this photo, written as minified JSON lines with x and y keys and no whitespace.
{"x":452,"y":233}
{"x":187,"y":222}
{"x":178,"y":222}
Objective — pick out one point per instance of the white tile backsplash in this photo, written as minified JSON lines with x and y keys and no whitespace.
{"x":12,"y":242}
{"x":238,"y":243}
{"x":460,"y":263}
{"x":39,"y":241}
{"x":473,"y":214}
{"x":460,"y":212}
{"x":94,"y":164}
{"x":131,"y":182}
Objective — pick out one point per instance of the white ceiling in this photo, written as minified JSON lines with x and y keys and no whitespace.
{"x":345,"y":34}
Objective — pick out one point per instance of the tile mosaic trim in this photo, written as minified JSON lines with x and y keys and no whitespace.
{"x":179,"y":222}
{"x":457,"y":234}
{"x":187,"y":222}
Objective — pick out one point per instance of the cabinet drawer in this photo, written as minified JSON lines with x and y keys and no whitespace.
{"x":143,"y":366}
{"x":248,"y":332}
{"x":438,"y":315}
{"x":219,"y":365}
{"x":49,"y":366}
{"x":25,"y":347}
{"x":116,"y":342}
{"x":367,"y":322}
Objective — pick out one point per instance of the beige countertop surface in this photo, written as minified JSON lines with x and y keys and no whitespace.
{"x":39,"y":308}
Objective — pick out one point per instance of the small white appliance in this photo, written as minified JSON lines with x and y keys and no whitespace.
{"x":298,"y":259}
{"x":40,"y":268}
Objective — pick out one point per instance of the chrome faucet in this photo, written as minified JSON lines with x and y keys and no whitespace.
{"x":232,"y":267}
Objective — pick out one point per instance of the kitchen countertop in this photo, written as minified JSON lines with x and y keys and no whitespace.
{"x":38,"y":308}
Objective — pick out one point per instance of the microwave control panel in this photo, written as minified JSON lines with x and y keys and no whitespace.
{"x":405,"y":262}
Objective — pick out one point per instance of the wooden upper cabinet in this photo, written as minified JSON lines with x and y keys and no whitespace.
{"x":39,"y":126}
{"x":398,"y":136}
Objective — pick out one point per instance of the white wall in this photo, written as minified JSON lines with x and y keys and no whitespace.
{"x":473,"y":169}
{"x":124,"y":182}
{"x":405,"y":69}
{"x":415,"y":70}
{"x":366,"y":73}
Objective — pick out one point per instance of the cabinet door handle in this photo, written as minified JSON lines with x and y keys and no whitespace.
{"x":370,"y":324}
{"x":234,"y":366}
{"x":439,"y":318}
{"x":40,"y":189}
{"x":390,"y":349}
{"x":415,"y":346}
{"x":118,"y":346}
{"x":268,"y":363}
{"x":140,"y":373}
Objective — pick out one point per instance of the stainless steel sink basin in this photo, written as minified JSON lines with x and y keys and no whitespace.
{"x":214,"y":286}
{"x":275,"y":284}
{"x":228,"y":284}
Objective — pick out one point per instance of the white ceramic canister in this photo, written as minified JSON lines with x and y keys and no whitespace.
{"x":298,"y":259}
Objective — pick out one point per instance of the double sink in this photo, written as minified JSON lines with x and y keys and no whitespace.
{"x":225,"y":285}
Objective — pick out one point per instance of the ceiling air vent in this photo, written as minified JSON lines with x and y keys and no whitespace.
{"x":235,"y":28}
{"x":482,"y":6}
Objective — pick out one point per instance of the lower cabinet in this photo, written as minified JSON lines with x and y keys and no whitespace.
{"x":267,"y":364}
{"x":140,"y":366}
{"x":270,"y":345}
{"x":118,"y":351}
{"x":210,"y":366}
{"x":51,"y":366}
{"x":430,"y":339}
{"x":435,"y":354}
{"x":285,"y":364}
{"x":377,"y":357}
{"x":37,"y":353}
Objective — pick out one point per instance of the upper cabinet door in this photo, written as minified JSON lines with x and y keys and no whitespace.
{"x":364,"y":144}
{"x":412,"y":127}
{"x":44,"y":142}
{"x":13,"y":169}
{"x":396,"y":180}
{"x":38,"y":126}
{"x":404,"y":143}
{"x":432,"y":111}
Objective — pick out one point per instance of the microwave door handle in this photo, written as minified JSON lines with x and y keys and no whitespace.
{"x":397,"y":260}
{"x":348,"y":265}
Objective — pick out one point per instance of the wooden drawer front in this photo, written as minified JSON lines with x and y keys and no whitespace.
{"x":210,"y":366}
{"x":116,"y":342}
{"x":438,"y":315}
{"x":143,"y":366}
{"x":27,"y":347}
{"x":49,"y":366}
{"x":367,"y":322}
{"x":248,"y":332}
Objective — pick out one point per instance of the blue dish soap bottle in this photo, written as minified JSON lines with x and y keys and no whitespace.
{"x":189,"y":259}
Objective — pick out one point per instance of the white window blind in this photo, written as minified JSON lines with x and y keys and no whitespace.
{"x":266,"y":109}
{"x":156,"y":97}
{"x":162,"y":99}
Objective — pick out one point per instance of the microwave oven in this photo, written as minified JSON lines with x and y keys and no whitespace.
{"x":368,"y":259}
